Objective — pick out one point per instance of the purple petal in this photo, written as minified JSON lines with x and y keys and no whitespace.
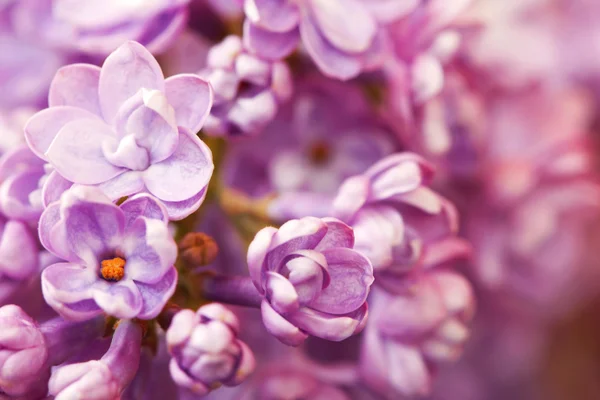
{"x":269,"y":45}
{"x":257,"y":252}
{"x":327,"y":326}
{"x":76,"y":85}
{"x":178,"y":210}
{"x":156,"y":295}
{"x":427,"y":78}
{"x":185,"y":173}
{"x":92,"y":227}
{"x":331,"y":61}
{"x":191,"y":97}
{"x":76,"y":152}
{"x":351,"y":278}
{"x":252,"y":113}
{"x":121,"y":299}
{"x":18,"y":251}
{"x":346,"y":24}
{"x":64,"y":284}
{"x":273,"y":15}
{"x":280,"y":327}
{"x":338,"y":235}
{"x":302,"y":234}
{"x":352,"y":195}
{"x":143,"y":205}
{"x":43,"y":127}
{"x":16,"y":192}
{"x":281,"y":293}
{"x":149,"y":249}
{"x":54,"y":186}
{"x":127,"y":70}
{"x":308,"y":275}
{"x":52,"y":235}
{"x":125,"y":184}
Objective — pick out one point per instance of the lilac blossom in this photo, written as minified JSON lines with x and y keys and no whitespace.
{"x":396,"y":217}
{"x":118,"y":259}
{"x":206,"y":351}
{"x":342,"y":36}
{"x":423,"y":323}
{"x":127,"y":130}
{"x":248,"y":89}
{"x":28,"y":349}
{"x":106,"y":378}
{"x":311,"y":280}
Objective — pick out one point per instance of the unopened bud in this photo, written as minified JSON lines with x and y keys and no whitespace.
{"x":198,"y":249}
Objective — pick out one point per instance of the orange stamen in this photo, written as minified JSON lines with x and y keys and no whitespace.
{"x":113,"y":269}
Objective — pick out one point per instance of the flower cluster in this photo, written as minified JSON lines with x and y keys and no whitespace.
{"x":277,"y":199}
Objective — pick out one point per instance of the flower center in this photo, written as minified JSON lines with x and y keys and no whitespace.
{"x":113,"y":269}
{"x":320,"y":153}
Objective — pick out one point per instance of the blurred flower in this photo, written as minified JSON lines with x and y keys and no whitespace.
{"x":248,"y":89}
{"x":312,"y":281}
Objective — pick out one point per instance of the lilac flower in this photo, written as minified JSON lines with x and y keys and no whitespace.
{"x":414,"y":329}
{"x":126,"y":130}
{"x":326,"y":141}
{"x":206,"y":351}
{"x":119,"y":259}
{"x":28,"y":349}
{"x":396,"y":217}
{"x":248,"y":89}
{"x":311,"y":280}
{"x":106,"y":378}
{"x":341,"y":36}
{"x":99,"y":27}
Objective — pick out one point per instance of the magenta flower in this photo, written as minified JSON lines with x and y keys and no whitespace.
{"x":341,"y":36}
{"x":414,"y":329}
{"x":118,"y":259}
{"x":311,"y":280}
{"x":206,"y":351}
{"x":248,"y":89}
{"x":127,"y":130}
{"x":106,"y":378}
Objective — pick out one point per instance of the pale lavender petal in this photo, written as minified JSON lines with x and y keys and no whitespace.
{"x":149,"y":250}
{"x":346,"y":24}
{"x":155,"y":296}
{"x":185,"y":173}
{"x":338,"y":235}
{"x":294,"y":235}
{"x":18,"y":251}
{"x":331,"y":61}
{"x":143,"y":205}
{"x":327,"y":326}
{"x":257,"y":252}
{"x":127,"y":70}
{"x":178,"y":210}
{"x":76,"y":152}
{"x":351,"y":277}
{"x":280,"y":327}
{"x":43,"y":127}
{"x":54,"y":186}
{"x":125,"y":184}
{"x":76,"y":85}
{"x":281,"y":293}
{"x":273,"y":15}
{"x":66,"y":284}
{"x":191,"y":97}
{"x":121,"y":299}
{"x":270,"y":45}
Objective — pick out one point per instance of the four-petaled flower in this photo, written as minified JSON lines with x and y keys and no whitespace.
{"x":119,"y":259}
